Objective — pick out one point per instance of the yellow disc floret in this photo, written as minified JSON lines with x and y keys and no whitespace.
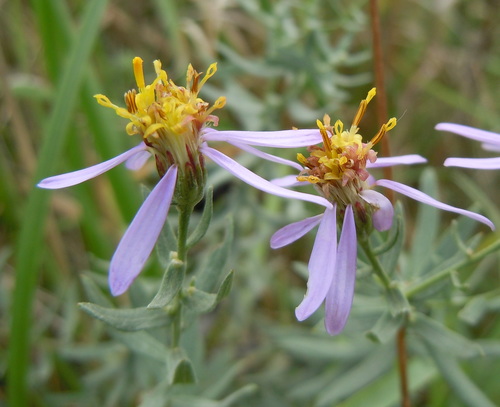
{"x":169,"y":118}
{"x":339,"y":166}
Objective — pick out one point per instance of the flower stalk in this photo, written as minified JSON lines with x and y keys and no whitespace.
{"x":377,"y":267}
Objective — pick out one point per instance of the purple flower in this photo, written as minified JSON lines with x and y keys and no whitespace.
{"x":490,"y":141}
{"x":338,"y":170}
{"x":172,"y":122}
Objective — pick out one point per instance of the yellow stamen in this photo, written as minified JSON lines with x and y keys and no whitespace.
{"x":326,"y":140}
{"x":210,"y":72}
{"x":139,"y":73}
{"x":301,"y":159}
{"x":120,"y":111}
{"x":384,"y":129}
{"x":311,"y":178}
{"x":160,"y":73}
{"x":339,"y":127}
{"x":362,"y":106}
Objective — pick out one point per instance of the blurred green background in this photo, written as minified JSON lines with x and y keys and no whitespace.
{"x":281,"y":63}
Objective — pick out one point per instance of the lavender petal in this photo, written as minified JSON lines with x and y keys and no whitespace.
{"x":294,"y":231}
{"x":266,"y":156}
{"x":282,"y":138}
{"x":421,"y":197}
{"x":289,"y":181}
{"x":77,"y":177}
{"x":491,"y":147}
{"x":321,"y":265}
{"x":137,"y":161}
{"x":258,"y":182}
{"x":142,"y":234}
{"x":397,"y":160}
{"x":382,"y":217}
{"x":477,"y":163}
{"x":340,"y":295}
{"x":470,"y":132}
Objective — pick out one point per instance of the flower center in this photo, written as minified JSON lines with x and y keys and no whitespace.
{"x":338,"y":168}
{"x":168,"y":117}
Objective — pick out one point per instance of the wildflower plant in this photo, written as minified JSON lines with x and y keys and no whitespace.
{"x":409,"y":293}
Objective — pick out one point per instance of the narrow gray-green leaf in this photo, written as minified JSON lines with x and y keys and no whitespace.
{"x":93,"y":292}
{"x":170,"y":284}
{"x":385,"y":328}
{"x":426,"y":228}
{"x":443,"y":338}
{"x":200,"y":301}
{"x":180,"y":369}
{"x":398,"y":303}
{"x":208,"y":279}
{"x":133,"y":319}
{"x":204,"y":223}
{"x":141,"y":342}
{"x":462,"y":385}
{"x":357,"y":377}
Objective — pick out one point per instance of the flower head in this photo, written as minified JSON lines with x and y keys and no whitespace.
{"x":338,"y":167}
{"x":169,"y":118}
{"x":338,"y":170}
{"x":489,"y":140}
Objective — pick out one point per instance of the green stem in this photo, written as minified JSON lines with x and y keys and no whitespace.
{"x":377,"y":267}
{"x":184,"y":216}
{"x":176,"y":324}
{"x":430,"y":281}
{"x":182,"y":235}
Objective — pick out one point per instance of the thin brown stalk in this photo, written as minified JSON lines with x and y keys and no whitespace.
{"x":402,"y":367}
{"x":378,"y":61}
{"x":382,"y":117}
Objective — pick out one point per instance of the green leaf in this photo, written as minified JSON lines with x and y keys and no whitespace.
{"x":426,"y":228}
{"x":462,"y":385}
{"x":93,"y":292}
{"x":433,"y":332}
{"x":187,"y":400}
{"x":398,"y":303}
{"x":208,"y":279}
{"x":133,"y":319}
{"x":385,"y":328}
{"x":316,"y":347}
{"x":357,"y":377}
{"x":478,"y":306}
{"x":141,"y":342}
{"x":200,"y":301}
{"x":384,"y":391}
{"x":225,"y":287}
{"x":180,"y":369}
{"x":170,"y":285}
{"x":206,"y":218}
